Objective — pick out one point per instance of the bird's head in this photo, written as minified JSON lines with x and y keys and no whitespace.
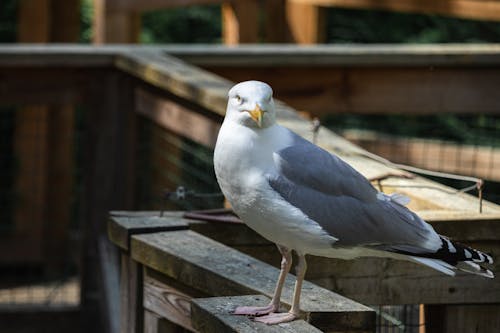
{"x":251,"y":104}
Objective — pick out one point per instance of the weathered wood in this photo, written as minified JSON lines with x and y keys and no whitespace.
{"x":214,"y":315}
{"x":240,"y":21}
{"x":109,"y":261}
{"x":177,"y":118}
{"x":217,"y":270}
{"x":175,"y":76}
{"x":122,"y":225}
{"x":384,"y":281}
{"x":408,"y":90}
{"x":168,"y":302}
{"x":471,"y":9}
{"x":131,"y":296}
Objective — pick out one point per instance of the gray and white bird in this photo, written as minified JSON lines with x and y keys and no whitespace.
{"x":305,"y":199}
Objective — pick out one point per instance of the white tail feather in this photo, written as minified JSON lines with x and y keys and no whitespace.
{"x":436,"y":264}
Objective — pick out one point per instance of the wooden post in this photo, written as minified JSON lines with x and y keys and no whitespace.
{"x":240,"y":21}
{"x":306,"y":23}
{"x":276,"y":28}
{"x":114,"y":25}
{"x":42,"y":22}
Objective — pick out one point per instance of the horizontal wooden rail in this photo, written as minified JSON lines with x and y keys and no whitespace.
{"x":214,"y":315}
{"x":183,"y":264}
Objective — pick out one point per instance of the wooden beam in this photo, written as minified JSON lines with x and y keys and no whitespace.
{"x":122,"y":225}
{"x":240,"y":21}
{"x":214,"y":315}
{"x":182,"y":256}
{"x":470,"y":9}
{"x":306,"y":23}
{"x":177,"y":118}
{"x":383,"y":90}
{"x":114,"y":26}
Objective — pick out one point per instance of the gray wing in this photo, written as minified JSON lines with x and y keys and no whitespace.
{"x":343,"y":202}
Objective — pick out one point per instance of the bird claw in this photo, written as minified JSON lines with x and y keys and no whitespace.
{"x":254,"y":310}
{"x":276,"y":318}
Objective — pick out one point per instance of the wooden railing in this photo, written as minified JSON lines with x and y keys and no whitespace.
{"x":168,"y":271}
{"x":118,"y":87}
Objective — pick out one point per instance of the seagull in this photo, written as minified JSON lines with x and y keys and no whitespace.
{"x":307,"y":200}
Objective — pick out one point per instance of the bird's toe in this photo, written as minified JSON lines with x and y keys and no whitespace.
{"x":276,"y":318}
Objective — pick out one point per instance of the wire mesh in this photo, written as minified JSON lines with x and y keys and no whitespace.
{"x":168,"y":161}
{"x":468,"y":145}
{"x":398,"y":318}
{"x":32,"y":271}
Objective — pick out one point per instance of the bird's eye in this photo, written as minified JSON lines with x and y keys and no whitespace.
{"x":238,"y":99}
{"x":269,"y":98}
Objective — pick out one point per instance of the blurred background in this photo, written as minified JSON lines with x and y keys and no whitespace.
{"x":41,"y":220}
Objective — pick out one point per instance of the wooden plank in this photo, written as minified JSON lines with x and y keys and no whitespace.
{"x":214,"y":315}
{"x":470,"y":9}
{"x":240,"y":21}
{"x":110,"y":304}
{"x":217,"y":270}
{"x":177,"y":77}
{"x":383,"y":281}
{"x":306,"y":23}
{"x":123,"y":225}
{"x":383,"y":90}
{"x":177,"y":118}
{"x":131,"y":296}
{"x":168,"y":302}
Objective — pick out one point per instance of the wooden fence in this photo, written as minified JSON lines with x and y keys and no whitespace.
{"x":119,"y":87}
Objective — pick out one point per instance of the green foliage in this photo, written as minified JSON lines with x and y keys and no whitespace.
{"x":370,"y":26}
{"x":86,"y":15}
{"x":195,"y":24}
{"x":8,"y":20}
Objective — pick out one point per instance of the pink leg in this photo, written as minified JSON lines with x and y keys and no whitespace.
{"x":286,"y":263}
{"x":294,"y":313}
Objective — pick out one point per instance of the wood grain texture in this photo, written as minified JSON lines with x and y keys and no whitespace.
{"x":168,"y":302}
{"x":122,"y":225}
{"x":177,"y":118}
{"x":131,"y":295}
{"x":384,"y":281}
{"x":217,"y":270}
{"x":214,"y":315}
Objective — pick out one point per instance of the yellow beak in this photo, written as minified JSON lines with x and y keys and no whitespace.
{"x":256,"y":115}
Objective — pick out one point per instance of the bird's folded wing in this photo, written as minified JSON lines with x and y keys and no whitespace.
{"x":344,"y":203}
